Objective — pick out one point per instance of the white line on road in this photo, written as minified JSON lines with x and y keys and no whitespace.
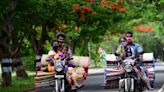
{"x":161,"y":89}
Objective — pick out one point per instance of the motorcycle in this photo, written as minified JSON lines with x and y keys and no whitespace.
{"x":61,"y":84}
{"x":60,"y":77}
{"x":130,"y":82}
{"x":63,"y":75}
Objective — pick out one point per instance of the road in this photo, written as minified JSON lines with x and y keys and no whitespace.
{"x":94,"y":82}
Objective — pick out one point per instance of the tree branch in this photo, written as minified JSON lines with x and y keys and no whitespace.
{"x":34,"y":42}
{"x":18,"y":47}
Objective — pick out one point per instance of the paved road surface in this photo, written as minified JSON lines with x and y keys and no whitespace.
{"x":94,"y":82}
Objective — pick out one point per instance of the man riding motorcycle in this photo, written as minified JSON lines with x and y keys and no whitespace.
{"x":62,"y":51}
{"x":128,"y":49}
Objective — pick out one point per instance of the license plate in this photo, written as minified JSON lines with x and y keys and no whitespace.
{"x":59,"y":76}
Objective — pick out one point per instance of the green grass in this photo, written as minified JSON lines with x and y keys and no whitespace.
{"x":20,"y":84}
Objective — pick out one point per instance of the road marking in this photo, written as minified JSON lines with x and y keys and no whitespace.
{"x":161,"y":89}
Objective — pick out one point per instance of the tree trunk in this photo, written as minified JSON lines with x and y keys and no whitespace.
{"x":73,"y":44}
{"x":84,"y":47}
{"x":38,"y":62}
{"x":6,"y":43}
{"x":38,"y":48}
{"x":39,"y":45}
{"x":17,"y":41}
{"x":6,"y":71}
{"x":20,"y":71}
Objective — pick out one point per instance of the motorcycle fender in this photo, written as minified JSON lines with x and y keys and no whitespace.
{"x":131,"y":82}
{"x":126,"y":85}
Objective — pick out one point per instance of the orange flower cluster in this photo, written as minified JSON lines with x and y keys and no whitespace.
{"x":89,"y":0}
{"x":123,"y":9}
{"x":76,"y":7}
{"x":85,"y":9}
{"x":115,"y":6}
{"x":82,"y":10}
{"x":141,"y":28}
{"x":118,"y":6}
{"x":105,"y":3}
{"x":120,"y":2}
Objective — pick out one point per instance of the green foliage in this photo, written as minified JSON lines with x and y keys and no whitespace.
{"x":28,"y":62}
{"x":100,"y":22}
{"x":26,"y":48}
{"x":145,"y":14}
{"x":20,"y":84}
{"x":47,"y":46}
{"x":162,"y":1}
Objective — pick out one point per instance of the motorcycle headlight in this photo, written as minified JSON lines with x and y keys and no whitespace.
{"x":128,"y":68}
{"x":59,"y":67}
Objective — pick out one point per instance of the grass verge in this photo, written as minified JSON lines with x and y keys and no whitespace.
{"x":20,"y":84}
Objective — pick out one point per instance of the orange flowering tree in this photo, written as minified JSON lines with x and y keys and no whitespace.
{"x":144,"y":19}
{"x":141,"y":28}
{"x":92,"y":15}
{"x":91,"y":19}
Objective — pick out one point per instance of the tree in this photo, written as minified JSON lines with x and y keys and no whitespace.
{"x":6,"y":36}
{"x":48,"y":14}
{"x":14,"y":26}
